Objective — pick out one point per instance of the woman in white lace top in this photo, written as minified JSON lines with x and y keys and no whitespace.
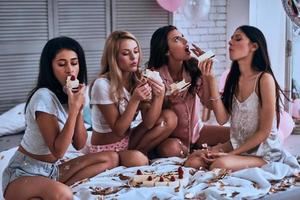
{"x":251,"y":100}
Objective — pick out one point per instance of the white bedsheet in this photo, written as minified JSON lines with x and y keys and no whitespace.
{"x":249,"y":183}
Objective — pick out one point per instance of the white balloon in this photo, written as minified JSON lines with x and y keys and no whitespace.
{"x":195,"y":10}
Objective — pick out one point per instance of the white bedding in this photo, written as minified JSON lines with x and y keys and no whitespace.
{"x":249,"y":183}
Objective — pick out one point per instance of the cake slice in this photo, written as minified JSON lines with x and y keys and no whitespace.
{"x":150,"y":181}
{"x":152,"y":74}
{"x":172,"y":179}
{"x":180,"y":87}
{"x":206,"y":55}
{"x":161,"y":181}
{"x":140,"y":178}
{"x":72,"y":82}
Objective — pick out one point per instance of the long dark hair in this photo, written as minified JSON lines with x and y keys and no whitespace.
{"x":158,"y":58}
{"x":260,"y":63}
{"x":46,"y":77}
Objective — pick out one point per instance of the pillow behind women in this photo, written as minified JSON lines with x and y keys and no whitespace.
{"x":13,"y":120}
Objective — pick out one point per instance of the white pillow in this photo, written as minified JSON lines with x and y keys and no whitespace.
{"x":13,"y":121}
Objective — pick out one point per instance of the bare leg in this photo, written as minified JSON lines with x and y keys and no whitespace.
{"x":235,"y":163}
{"x":132,"y":158}
{"x":136,"y":135}
{"x":37,"y":187}
{"x":87,"y":166}
{"x":195,"y":160}
{"x":205,"y":114}
{"x":222,"y":147}
{"x":212,"y":135}
{"x":172,"y":147}
{"x":147,"y":141}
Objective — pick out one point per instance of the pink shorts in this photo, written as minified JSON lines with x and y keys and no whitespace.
{"x":117,"y":146}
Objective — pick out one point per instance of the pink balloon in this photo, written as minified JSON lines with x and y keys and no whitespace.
{"x":296,"y":108}
{"x":223,"y":80}
{"x":286,"y":125}
{"x":170,"y":5}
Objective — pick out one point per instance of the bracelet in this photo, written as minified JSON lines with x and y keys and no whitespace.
{"x":216,"y":98}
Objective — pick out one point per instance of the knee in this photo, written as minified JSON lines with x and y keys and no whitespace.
{"x":134,"y":158}
{"x":113,"y":159}
{"x":62,"y":192}
{"x":170,"y":118}
{"x":170,"y":148}
{"x":141,"y":158}
{"x":194,"y":162}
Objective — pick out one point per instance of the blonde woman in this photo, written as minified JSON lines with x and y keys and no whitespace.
{"x":116,"y":98}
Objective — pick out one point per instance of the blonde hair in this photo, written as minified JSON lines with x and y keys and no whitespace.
{"x":109,"y":64}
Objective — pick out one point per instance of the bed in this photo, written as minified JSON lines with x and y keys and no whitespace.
{"x":273,"y":181}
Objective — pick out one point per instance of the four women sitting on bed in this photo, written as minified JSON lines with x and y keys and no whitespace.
{"x":170,"y":123}
{"x":54,"y":120}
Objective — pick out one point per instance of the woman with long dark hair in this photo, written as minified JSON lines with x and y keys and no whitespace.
{"x":170,"y":55}
{"x":251,"y":100}
{"x":54,"y":120}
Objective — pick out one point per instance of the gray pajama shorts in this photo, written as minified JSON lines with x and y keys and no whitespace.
{"x":23,"y":165}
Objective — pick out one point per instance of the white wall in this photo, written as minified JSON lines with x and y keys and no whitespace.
{"x":237,"y":15}
{"x":296,"y":58}
{"x":226,"y":15}
{"x":209,"y":33}
{"x":269,"y":16}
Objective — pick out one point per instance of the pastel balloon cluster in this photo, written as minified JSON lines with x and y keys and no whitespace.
{"x":170,"y":5}
{"x":195,"y":10}
{"x":286,"y":125}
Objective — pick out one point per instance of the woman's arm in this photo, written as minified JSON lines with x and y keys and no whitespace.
{"x":266,"y":115}
{"x":80,"y":134}
{"x":204,"y":93}
{"x":120,"y":123}
{"x":217,"y":105}
{"x":59,"y":141}
{"x":152,"y":113}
